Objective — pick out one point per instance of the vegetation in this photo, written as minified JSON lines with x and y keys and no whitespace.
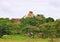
{"x":37,"y":26}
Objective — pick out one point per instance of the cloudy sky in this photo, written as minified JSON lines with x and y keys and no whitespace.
{"x":20,"y":8}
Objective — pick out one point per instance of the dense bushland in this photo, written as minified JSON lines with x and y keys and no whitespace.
{"x":38,"y":26}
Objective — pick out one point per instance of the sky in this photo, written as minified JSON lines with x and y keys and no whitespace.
{"x":20,"y":8}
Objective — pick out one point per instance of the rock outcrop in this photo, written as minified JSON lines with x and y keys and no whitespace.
{"x":16,"y":21}
{"x":30,"y":14}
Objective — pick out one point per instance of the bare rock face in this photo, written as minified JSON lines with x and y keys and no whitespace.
{"x":30,"y":14}
{"x":14,"y":20}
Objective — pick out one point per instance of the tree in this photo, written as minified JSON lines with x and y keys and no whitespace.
{"x":41,"y":19}
{"x":57,"y":26}
{"x":49,"y":19}
{"x":3,"y":29}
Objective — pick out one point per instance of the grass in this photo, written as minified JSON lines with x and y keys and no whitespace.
{"x":21,"y":38}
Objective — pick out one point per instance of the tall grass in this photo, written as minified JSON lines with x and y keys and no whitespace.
{"x":23,"y":38}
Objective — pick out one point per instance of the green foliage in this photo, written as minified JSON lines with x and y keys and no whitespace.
{"x":38,"y":25}
{"x":49,"y":19}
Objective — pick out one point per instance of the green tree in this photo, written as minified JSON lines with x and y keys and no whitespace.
{"x":49,"y":19}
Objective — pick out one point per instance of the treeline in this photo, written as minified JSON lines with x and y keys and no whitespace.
{"x":37,"y":26}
